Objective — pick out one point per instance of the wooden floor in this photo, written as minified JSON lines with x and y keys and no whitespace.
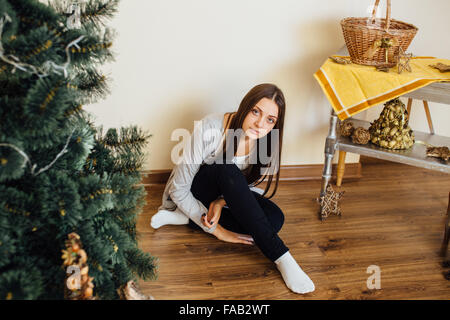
{"x":392,"y":218}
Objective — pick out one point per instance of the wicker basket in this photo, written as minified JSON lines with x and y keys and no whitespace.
{"x":374,"y":41}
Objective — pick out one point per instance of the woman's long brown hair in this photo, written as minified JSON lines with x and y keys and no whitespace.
{"x":253,"y":172}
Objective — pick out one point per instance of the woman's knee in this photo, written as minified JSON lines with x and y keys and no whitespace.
{"x":230,"y":172}
{"x":204,"y":184}
{"x":225,"y":167}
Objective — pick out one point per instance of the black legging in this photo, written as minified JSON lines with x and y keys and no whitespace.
{"x":248,"y":212}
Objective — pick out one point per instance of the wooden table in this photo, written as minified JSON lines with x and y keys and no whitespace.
{"x":415,"y":156}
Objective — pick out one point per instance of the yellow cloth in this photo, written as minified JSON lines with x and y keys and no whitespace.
{"x":353,"y":88}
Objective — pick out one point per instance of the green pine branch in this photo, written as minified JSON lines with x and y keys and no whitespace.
{"x":99,"y":12}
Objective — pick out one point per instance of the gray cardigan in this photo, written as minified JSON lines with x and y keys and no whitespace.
{"x":202,"y":147}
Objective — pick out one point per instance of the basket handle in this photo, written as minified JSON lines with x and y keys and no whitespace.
{"x":388,"y":13}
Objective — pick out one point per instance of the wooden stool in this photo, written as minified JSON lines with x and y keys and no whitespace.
{"x":342,"y":154}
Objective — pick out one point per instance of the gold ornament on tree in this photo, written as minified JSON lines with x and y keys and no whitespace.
{"x":79,"y":285}
{"x":391,"y":129}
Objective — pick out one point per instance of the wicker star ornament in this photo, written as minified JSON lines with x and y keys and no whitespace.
{"x":329,"y":202}
{"x":403,"y":61}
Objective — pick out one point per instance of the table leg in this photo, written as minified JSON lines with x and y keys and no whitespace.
{"x":340,"y":168}
{"x":408,"y":108}
{"x":330,"y":148}
{"x":428,"y":114}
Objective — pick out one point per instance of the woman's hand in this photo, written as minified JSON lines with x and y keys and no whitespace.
{"x":215,"y":209}
{"x":230,"y":236}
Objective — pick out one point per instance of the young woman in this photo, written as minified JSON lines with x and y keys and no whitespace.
{"x":214,"y":186}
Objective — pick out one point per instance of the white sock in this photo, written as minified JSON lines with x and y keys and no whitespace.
{"x":294,"y":277}
{"x":163,"y":217}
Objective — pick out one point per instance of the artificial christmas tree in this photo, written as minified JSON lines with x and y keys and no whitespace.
{"x":58,"y":173}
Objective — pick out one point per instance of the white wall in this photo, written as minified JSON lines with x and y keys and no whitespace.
{"x":178,"y":60}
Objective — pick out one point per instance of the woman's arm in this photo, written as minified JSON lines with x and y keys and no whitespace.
{"x":184,"y":173}
{"x":215,"y":209}
{"x":230,"y":236}
{"x":211,"y":219}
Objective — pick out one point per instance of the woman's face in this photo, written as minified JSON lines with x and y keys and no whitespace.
{"x":261,"y":119}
